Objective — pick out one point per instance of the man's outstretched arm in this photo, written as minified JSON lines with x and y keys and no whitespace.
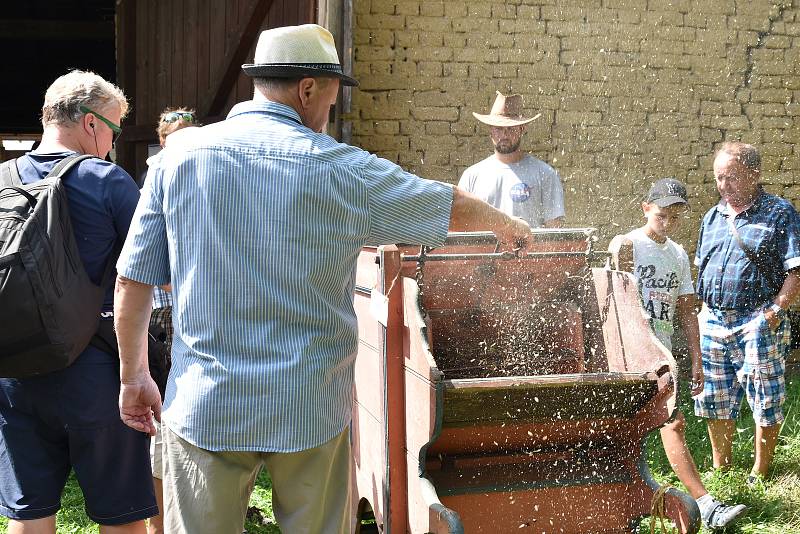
{"x":471,"y":214}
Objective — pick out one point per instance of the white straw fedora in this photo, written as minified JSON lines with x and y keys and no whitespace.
{"x":296,"y":52}
{"x":506,"y":111}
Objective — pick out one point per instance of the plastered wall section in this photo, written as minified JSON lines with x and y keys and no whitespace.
{"x":627,"y":91}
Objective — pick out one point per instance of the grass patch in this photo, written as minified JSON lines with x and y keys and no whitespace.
{"x":72,"y":518}
{"x":773,"y":508}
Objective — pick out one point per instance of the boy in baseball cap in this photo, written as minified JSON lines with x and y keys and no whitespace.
{"x":662,"y":269}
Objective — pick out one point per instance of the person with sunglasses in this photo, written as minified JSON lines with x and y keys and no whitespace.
{"x":174,"y":119}
{"x":170,"y":121}
{"x":67,"y":420}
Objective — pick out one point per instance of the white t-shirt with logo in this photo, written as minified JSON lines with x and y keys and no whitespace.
{"x":663,"y":272}
{"x":529,"y":189}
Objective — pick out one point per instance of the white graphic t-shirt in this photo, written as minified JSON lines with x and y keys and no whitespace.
{"x":529,"y":189}
{"x":663,"y":272}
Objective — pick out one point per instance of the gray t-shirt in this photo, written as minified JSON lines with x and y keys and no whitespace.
{"x":529,"y":189}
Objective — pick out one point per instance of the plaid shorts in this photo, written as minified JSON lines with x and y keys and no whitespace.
{"x":163,"y":317}
{"x":742,"y":356}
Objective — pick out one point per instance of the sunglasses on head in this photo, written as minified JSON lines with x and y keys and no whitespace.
{"x":114,"y":127}
{"x":173,"y":116}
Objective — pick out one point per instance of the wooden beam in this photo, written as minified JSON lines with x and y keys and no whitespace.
{"x":126,"y":74}
{"x":227,"y":72}
{"x":61,"y":30}
{"x":147,"y":132}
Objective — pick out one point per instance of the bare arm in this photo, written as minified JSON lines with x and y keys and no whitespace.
{"x":785,"y":297}
{"x":469,"y":214}
{"x":139,"y":397}
{"x":686,"y":312}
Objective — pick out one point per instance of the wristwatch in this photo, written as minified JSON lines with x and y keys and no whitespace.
{"x":777,"y":310}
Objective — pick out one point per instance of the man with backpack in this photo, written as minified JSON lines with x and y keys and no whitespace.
{"x":58,"y":403}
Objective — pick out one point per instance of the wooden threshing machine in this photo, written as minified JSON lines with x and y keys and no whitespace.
{"x":506,"y":392}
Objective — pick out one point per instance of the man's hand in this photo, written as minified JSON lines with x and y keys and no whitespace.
{"x":470,"y":214}
{"x":698,"y":379}
{"x":139,"y":403}
{"x":772,"y":319}
{"x":516,"y":233}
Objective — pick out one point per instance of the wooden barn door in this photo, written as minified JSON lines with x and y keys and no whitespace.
{"x":189,"y":53}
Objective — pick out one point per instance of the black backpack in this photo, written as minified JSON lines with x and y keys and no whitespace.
{"x":49,"y":308}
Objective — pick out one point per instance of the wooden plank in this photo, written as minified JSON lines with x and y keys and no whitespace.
{"x":548,"y":381}
{"x":178,"y":57}
{"x":190,"y":94}
{"x":204,"y":56}
{"x":164,"y":28}
{"x":126,"y":74}
{"x":217,"y":33}
{"x":151,"y":99}
{"x":536,"y":401}
{"x":227,"y":73}
{"x":146,"y":131}
{"x":392,"y":287}
{"x":142,"y":76}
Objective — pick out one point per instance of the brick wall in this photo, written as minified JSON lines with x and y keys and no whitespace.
{"x":628,"y":91}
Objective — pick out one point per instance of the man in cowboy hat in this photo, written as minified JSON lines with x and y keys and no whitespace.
{"x":257,"y":221}
{"x":512,"y":180}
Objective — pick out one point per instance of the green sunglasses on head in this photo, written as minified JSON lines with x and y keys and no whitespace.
{"x":114,"y":127}
{"x":173,"y":116}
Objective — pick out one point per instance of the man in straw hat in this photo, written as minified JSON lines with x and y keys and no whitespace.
{"x":512,"y":180}
{"x":257,"y":221}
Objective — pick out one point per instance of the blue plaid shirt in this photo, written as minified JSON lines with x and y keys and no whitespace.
{"x":726,"y":277}
{"x":259,"y":221}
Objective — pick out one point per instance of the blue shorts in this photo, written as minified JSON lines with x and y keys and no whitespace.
{"x":742,"y":357}
{"x":69,"y":419}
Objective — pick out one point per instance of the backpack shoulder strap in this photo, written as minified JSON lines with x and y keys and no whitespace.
{"x":63,"y":166}
{"x":9,"y":174}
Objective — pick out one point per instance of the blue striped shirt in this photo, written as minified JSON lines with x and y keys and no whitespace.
{"x":260,"y":222}
{"x":726,"y":278}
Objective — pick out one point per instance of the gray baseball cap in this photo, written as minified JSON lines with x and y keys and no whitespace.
{"x":666,"y":192}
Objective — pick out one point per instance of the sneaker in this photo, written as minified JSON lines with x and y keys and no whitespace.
{"x":716,"y":514}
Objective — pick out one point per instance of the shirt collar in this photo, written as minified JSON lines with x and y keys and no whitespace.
{"x":722,"y":206}
{"x":265,"y":106}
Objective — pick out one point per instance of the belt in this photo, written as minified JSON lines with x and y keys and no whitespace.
{"x":737,"y":312}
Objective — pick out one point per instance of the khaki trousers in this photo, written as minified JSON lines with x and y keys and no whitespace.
{"x":208,"y":492}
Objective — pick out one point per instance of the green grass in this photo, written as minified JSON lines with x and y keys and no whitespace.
{"x":774,"y":507}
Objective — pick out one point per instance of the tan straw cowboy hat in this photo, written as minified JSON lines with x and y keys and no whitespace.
{"x":296,"y":52}
{"x":506,"y":111}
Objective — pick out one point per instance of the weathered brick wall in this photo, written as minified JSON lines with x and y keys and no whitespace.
{"x":628,"y":91}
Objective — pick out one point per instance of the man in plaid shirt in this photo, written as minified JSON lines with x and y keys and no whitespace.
{"x":743,"y":325}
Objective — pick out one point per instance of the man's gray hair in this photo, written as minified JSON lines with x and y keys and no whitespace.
{"x":269,"y":85}
{"x":745,"y":154}
{"x":272,"y":85}
{"x":66,"y":95}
